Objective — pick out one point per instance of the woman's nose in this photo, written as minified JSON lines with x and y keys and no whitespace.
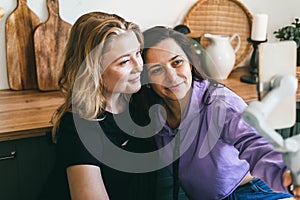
{"x":171,"y":74}
{"x":138,"y":64}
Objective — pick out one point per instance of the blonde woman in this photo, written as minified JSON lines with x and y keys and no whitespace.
{"x":102,"y":64}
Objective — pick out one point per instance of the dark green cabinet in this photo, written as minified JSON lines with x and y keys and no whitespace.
{"x":24,"y":167}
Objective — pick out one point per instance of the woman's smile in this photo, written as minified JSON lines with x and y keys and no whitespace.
{"x":175,"y":86}
{"x":136,"y":79}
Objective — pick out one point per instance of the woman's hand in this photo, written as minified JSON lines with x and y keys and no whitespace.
{"x":288,"y":180}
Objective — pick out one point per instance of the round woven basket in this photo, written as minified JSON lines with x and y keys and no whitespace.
{"x":222,"y":17}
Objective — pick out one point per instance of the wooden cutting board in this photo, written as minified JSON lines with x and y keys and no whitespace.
{"x":2,"y":12}
{"x":49,"y":42}
{"x":20,"y":61}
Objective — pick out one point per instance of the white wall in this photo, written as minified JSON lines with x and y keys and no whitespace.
{"x":145,"y":13}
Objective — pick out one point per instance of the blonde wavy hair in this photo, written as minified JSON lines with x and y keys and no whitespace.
{"x":80,"y":78}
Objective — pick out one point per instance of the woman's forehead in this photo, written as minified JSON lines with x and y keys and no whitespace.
{"x":165,"y":50}
{"x":121,"y":45}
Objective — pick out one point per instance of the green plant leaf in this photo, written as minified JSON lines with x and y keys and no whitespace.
{"x":290,"y":32}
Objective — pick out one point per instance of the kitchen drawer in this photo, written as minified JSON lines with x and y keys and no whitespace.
{"x":23,"y":174}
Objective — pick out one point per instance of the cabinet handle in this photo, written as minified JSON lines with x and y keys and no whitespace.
{"x":12,"y":155}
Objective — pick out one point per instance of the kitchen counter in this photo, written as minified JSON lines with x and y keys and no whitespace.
{"x":245,"y":90}
{"x":25,"y":114}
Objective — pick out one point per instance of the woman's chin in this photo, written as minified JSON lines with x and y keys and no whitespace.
{"x":134,"y":89}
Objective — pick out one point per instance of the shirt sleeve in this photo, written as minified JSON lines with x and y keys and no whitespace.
{"x":264,"y":161}
{"x":70,"y":149}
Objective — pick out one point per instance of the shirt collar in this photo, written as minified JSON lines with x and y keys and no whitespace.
{"x":192,"y":110}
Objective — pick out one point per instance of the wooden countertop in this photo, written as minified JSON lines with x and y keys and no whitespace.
{"x":28,"y":113}
{"x":245,"y":90}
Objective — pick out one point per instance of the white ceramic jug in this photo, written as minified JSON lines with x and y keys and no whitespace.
{"x":220,"y":55}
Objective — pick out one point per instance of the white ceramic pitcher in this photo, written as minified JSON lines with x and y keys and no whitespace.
{"x":220,"y":55}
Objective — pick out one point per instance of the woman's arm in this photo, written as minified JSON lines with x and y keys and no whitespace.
{"x":264,"y":161}
{"x":85,"y":182}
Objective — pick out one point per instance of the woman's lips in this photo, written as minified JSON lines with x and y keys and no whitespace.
{"x":174,"y":87}
{"x":137,"y":79}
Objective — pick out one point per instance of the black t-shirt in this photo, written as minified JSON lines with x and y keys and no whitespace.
{"x":71,"y":151}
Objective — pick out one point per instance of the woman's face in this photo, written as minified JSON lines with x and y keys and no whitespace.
{"x":169,"y":70}
{"x":123,"y":64}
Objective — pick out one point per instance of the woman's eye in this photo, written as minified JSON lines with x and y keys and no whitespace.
{"x":139,"y":53}
{"x":178,"y":62}
{"x":125,"y":61}
{"x":155,"y":71}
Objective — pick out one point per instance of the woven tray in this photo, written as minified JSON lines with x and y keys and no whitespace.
{"x":222,"y":17}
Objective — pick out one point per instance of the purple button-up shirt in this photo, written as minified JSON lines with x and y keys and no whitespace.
{"x":217,"y":147}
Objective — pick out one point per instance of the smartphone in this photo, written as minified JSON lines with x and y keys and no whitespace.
{"x":277,"y":58}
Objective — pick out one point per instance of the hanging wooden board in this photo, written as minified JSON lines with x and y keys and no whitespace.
{"x":49,"y":42}
{"x":20,"y":61}
{"x":2,"y":12}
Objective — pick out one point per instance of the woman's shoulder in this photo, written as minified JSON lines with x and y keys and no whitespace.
{"x":217,"y":94}
{"x":66,"y":130}
{"x":71,"y":121}
{"x":68,"y":118}
{"x":70,"y":125}
{"x":70,"y":147}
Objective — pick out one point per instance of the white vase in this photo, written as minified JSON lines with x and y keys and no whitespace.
{"x":220,"y":56}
